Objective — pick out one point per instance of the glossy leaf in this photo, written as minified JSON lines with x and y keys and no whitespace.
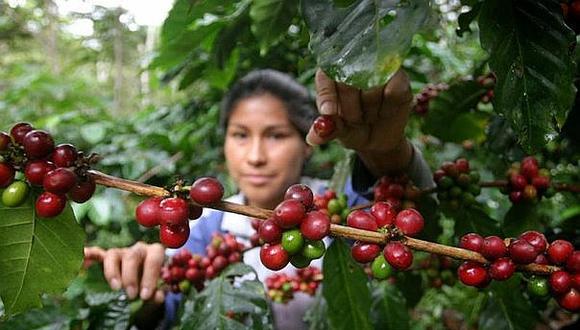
{"x":271,"y":19}
{"x":48,"y":318}
{"x":209,"y":309}
{"x":451,"y":117}
{"x":389,"y":308}
{"x":345,"y":289}
{"x":363,"y":45}
{"x":507,"y":308}
{"x":111,"y":310}
{"x":519,"y":218}
{"x":529,"y":47}
{"x":472,"y":219}
{"x":36,"y":255}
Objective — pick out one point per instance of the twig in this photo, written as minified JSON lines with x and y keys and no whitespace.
{"x":335,"y":230}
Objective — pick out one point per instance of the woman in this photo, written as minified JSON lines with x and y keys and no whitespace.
{"x":267,"y":118}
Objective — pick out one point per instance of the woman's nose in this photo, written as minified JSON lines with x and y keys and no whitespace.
{"x":257,"y":154}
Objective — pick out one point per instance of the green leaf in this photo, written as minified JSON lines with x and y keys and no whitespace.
{"x":529,"y":47}
{"x":317,"y":315}
{"x":271,"y":19}
{"x":345,"y":289}
{"x":521,"y":217}
{"x":430,"y":211}
{"x":48,"y":318}
{"x":235,"y":26}
{"x":473,"y":219}
{"x":342,"y":171}
{"x":36,"y":255}
{"x":451,"y":117}
{"x":363,"y":45}
{"x":110,"y":310}
{"x":389,"y":308}
{"x":208,"y":309}
{"x":410,"y":285}
{"x":507,"y":308}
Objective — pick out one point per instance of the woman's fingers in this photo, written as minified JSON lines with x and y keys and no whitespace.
{"x":112,"y":268}
{"x":151,"y":270}
{"x":326,"y":94}
{"x":132,"y":262}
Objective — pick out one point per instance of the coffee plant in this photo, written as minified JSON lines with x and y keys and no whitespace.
{"x":493,"y":241}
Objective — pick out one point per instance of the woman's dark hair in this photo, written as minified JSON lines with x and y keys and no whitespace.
{"x":297,"y":99}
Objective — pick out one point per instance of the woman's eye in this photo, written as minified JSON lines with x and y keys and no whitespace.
{"x":239,"y":135}
{"x":277,"y":136}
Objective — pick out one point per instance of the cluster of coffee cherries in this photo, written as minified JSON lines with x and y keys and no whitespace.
{"x":487,"y":81}
{"x":457,"y":184}
{"x":527,"y":182}
{"x":172,"y":214}
{"x":571,"y":13}
{"x":281,"y":287}
{"x":383,"y":216}
{"x":60,"y":170}
{"x":336,"y":206}
{"x":185,"y":269}
{"x":429,"y":92}
{"x":529,"y":247}
{"x":295,"y":231}
{"x":399,"y":191}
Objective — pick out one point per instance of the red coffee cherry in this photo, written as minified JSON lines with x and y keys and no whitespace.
{"x":502,"y":269}
{"x":362,"y":220}
{"x":471,"y":241}
{"x":64,"y":155}
{"x":36,"y":170}
{"x":398,"y":255}
{"x":83,"y":191}
{"x":518,"y":181}
{"x":516,"y":196}
{"x":541,"y":182}
{"x":410,"y":222}
{"x":364,"y":252}
{"x":289,"y":213}
{"x":194,"y":274}
{"x":473,"y":274}
{"x":559,"y":251}
{"x":59,"y":181}
{"x":573,"y":262}
{"x":529,"y":168}
{"x":462,"y":165}
{"x":315,"y":226}
{"x":38,"y":144}
{"x":49,"y":205}
{"x":174,"y":236}
{"x":301,"y":193}
{"x":219,"y":263}
{"x":541,"y":259}
{"x":493,"y":248}
{"x":147,"y":212}
{"x":324,"y":125}
{"x":536,"y":239}
{"x":274,"y":257}
{"x":571,"y":299}
{"x":7,"y":174}
{"x":19,"y":131}
{"x":560,"y":282}
{"x":5,"y":141}
{"x":522,"y":252}
{"x":384,"y":213}
{"x":206,"y":191}
{"x":269,"y":231}
{"x":173,"y":211}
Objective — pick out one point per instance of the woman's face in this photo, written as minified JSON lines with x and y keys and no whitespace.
{"x":264,"y":151}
